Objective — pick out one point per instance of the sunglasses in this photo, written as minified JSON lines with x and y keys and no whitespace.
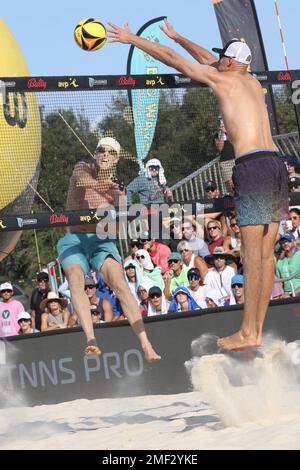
{"x":212,"y":228}
{"x":220,"y":257}
{"x":140,"y":291}
{"x":211,"y":190}
{"x":103,"y":150}
{"x":154,"y":168}
{"x":26,"y":320}
{"x":5,"y":290}
{"x":152,"y":296}
{"x":184,"y":250}
{"x":89,"y":287}
{"x":173,"y":261}
{"x":233,"y":225}
{"x":140,"y":256}
{"x":236,"y":285}
{"x":293,"y":186}
{"x":193,"y":277}
{"x":145,"y":240}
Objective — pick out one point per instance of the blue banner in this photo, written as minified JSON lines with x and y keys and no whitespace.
{"x":144,"y":103}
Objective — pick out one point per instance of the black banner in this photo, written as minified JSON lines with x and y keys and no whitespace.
{"x":92,"y":217}
{"x":238,"y":19}
{"x":126,"y":82}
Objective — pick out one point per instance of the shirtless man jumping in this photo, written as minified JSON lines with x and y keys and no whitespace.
{"x":91,"y":186}
{"x":259,"y":175}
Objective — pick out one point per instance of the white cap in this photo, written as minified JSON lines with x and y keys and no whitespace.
{"x":24,"y":316}
{"x":237,"y":50}
{"x":6,"y":285}
{"x":111,"y":142}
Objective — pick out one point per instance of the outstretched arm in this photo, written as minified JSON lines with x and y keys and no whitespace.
{"x":202,"y":55}
{"x":202,"y":73}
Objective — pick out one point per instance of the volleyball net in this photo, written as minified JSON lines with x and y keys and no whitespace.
{"x":51,"y":124}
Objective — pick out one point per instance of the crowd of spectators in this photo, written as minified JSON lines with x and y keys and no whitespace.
{"x":195,"y":269}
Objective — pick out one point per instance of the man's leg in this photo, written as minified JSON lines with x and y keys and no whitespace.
{"x":81,"y":304}
{"x":112,"y":274}
{"x":268,"y":275}
{"x":252,"y":243}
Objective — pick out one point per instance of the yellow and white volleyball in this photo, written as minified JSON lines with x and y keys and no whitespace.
{"x":90,"y":34}
{"x":20,"y":137}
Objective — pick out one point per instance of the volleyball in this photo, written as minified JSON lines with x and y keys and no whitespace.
{"x":90,"y":34}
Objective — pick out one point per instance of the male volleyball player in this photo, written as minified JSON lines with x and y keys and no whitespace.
{"x":92,"y":186}
{"x":259,"y":175}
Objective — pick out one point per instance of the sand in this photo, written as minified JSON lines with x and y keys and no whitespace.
{"x":234,"y":405}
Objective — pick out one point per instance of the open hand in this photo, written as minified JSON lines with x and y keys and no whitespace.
{"x":168,"y":29}
{"x":118,"y":34}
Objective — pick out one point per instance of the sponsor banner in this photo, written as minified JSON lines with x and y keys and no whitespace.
{"x":238,"y":19}
{"x":114,"y":82}
{"x":97,"y":82}
{"x":36,"y":83}
{"x":145,"y":103}
{"x":156,"y":216}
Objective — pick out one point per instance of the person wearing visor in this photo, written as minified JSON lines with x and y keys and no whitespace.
{"x":259,"y":175}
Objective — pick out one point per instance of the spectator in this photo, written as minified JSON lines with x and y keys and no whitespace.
{"x":143,"y":295}
{"x":175,"y":233}
{"x":133,"y":274}
{"x":219,"y":277}
{"x":9,"y":311}
{"x":227,"y":156}
{"x":294,"y":216}
{"x":105,"y":292}
{"x":232,"y":244}
{"x":237,"y":286}
{"x":135,"y":244}
{"x":148,"y":269}
{"x":199,"y":247}
{"x":211,"y":189}
{"x":100,"y":305}
{"x":289,"y":265}
{"x":39,"y":293}
{"x":294,"y":184}
{"x":190,"y":260}
{"x":25,"y":324}
{"x":196,"y":287}
{"x":177,"y":276}
{"x":215,"y":235}
{"x":151,"y":187}
{"x":158,"y":304}
{"x":55,"y":314}
{"x":182,"y":301}
{"x":213,"y":299}
{"x":293,"y":166}
{"x":158,"y":253}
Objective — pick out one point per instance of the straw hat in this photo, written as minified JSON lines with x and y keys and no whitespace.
{"x":219,"y":250}
{"x":52,"y":296}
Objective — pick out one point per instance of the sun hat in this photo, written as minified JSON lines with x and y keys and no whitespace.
{"x":52,"y":296}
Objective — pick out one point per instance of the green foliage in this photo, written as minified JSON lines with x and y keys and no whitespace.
{"x":285,"y":111}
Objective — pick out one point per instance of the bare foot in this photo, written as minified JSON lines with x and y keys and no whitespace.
{"x":150,"y":354}
{"x":238,"y":342}
{"x":92,"y":348}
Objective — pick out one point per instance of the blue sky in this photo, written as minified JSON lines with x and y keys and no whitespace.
{"x":44,"y":30}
